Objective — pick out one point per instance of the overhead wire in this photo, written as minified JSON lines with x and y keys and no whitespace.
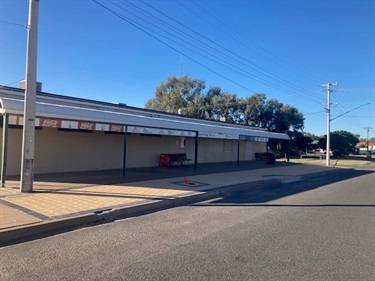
{"x":170,"y":46}
{"x":351,"y":109}
{"x":157,"y":35}
{"x":314,"y":113}
{"x":309,"y":96}
{"x":356,"y":90}
{"x":318,"y":80}
{"x":253,"y":76}
{"x":13,"y":23}
{"x":218,"y":60}
{"x":349,"y":118}
{"x":9,"y":84}
{"x":281,"y":78}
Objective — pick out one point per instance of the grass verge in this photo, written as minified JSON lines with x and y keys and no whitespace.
{"x":348,"y":161}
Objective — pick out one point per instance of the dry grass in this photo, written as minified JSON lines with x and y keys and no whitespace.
{"x":349,"y":161}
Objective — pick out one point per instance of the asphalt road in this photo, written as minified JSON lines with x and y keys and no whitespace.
{"x":314,"y":229}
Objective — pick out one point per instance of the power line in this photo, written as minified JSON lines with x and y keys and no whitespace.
{"x":234,"y":67}
{"x":349,"y":111}
{"x":218,"y":60}
{"x":143,"y":28}
{"x":255,"y":44}
{"x":313,"y":113}
{"x":168,"y":45}
{"x":279,"y":76}
{"x":9,"y":84}
{"x":350,"y":119}
{"x":229,"y":51}
{"x":358,"y":90}
{"x":13,"y":23}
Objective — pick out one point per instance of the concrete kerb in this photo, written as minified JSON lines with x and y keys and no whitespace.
{"x":9,"y":236}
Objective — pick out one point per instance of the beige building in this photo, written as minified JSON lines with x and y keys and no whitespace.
{"x":74,"y":134}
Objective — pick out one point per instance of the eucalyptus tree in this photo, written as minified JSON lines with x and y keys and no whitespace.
{"x":178,"y":93}
{"x":226,"y":107}
{"x":186,"y":94}
{"x":252,"y":108}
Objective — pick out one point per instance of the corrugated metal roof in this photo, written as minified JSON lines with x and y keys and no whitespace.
{"x":16,"y":107}
{"x":15,"y":93}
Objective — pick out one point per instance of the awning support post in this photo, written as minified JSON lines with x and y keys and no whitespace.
{"x":124,"y":156}
{"x":4,"y":149}
{"x":238,"y":153}
{"x":196,"y":152}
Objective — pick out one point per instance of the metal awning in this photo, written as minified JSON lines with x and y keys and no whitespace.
{"x":64,"y":112}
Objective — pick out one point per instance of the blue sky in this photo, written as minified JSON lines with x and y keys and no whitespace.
{"x":284,"y":49}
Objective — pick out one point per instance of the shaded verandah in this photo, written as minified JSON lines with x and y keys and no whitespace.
{"x":68,"y":115}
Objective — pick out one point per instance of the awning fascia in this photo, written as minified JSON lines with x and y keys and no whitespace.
{"x":46,"y":110}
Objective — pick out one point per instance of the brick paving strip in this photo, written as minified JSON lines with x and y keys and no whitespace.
{"x":55,"y":205}
{"x":12,"y":217}
{"x":66,"y":202}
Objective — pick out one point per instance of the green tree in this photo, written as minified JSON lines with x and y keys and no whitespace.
{"x":342,"y":143}
{"x":299,"y":141}
{"x":314,"y":143}
{"x":226,"y":106}
{"x":311,"y":136}
{"x":280,"y":118}
{"x":212,"y":94}
{"x":187,"y":94}
{"x":252,"y":108}
{"x":178,"y":93}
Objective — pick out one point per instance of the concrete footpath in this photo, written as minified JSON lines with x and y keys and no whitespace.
{"x":63,"y":201}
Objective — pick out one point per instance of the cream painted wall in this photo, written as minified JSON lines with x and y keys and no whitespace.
{"x":248,"y":153}
{"x":259,"y":147}
{"x":64,"y":151}
{"x":190,"y":149}
{"x":217,"y":150}
{"x":14,"y":151}
{"x":144,"y":151}
{"x":248,"y":149}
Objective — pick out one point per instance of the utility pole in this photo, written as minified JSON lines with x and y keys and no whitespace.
{"x":328,"y":110}
{"x":28,"y":136}
{"x":367,"y":138}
